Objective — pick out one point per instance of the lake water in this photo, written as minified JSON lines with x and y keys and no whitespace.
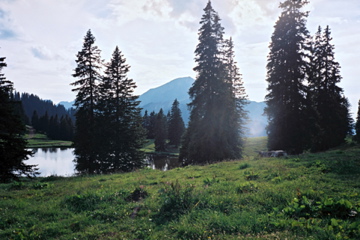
{"x":59,"y":161}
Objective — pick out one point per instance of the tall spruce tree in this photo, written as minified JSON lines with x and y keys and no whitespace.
{"x":13,"y":150}
{"x":87,"y":73}
{"x":176,"y":124}
{"x":211,"y":135}
{"x":357,"y":125}
{"x":237,"y":116}
{"x":120,"y":122}
{"x":331,"y":107}
{"x":160,"y":131}
{"x":287,"y":104}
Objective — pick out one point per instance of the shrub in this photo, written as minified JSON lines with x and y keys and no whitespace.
{"x":303,"y":207}
{"x":89,"y":201}
{"x":79,"y":203}
{"x":244,"y":166}
{"x":251,"y":175}
{"x":210,"y":182}
{"x":247,"y":188}
{"x":138,"y":194}
{"x":175,"y":201}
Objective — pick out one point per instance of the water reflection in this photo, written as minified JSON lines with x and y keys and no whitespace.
{"x":53,"y":161}
{"x":162,"y":162}
{"x":59,"y":161}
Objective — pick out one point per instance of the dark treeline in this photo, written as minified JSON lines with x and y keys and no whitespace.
{"x":31,"y":103}
{"x":46,"y":117}
{"x":54,"y":127}
{"x":165,"y":130}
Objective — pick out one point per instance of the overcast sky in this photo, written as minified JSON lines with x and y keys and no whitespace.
{"x":40,"y":39}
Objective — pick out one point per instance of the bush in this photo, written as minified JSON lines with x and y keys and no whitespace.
{"x":175,"y":201}
{"x":244,"y":166}
{"x":137,"y":195}
{"x":251,"y":175}
{"x":209,"y":182}
{"x":304,"y":207}
{"x":89,"y":202}
{"x":247,"y":188}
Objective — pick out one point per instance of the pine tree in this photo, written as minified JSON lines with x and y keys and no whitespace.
{"x":211,"y":135}
{"x":357,"y":125}
{"x":332,"y":115}
{"x":146,"y":122}
{"x":287,"y":105}
{"x":160,"y":131}
{"x":44,"y":123}
{"x":54,"y":128}
{"x":13,"y":151}
{"x":237,"y":116}
{"x":176,"y":124}
{"x":67,"y":128}
{"x":35,"y":120}
{"x":120,"y":123}
{"x":88,"y":74}
{"x":150,"y":124}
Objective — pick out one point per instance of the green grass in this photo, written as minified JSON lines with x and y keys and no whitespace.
{"x":149,"y":147}
{"x":310,"y":196}
{"x":42,"y":141}
{"x":254,"y":145}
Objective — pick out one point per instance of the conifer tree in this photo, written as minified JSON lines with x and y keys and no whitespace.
{"x":44,"y":123}
{"x":287,"y":105}
{"x":211,"y":136}
{"x":332,"y":115}
{"x":120,"y":122}
{"x":176,"y":124}
{"x":237,"y":116}
{"x":87,"y":73}
{"x":146,"y":122}
{"x":66,"y":128}
{"x":357,"y":125}
{"x":160,"y":132}
{"x":13,"y":150}
{"x":149,"y":124}
{"x":35,"y":120}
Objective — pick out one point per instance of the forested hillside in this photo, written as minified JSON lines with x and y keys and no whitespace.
{"x":46,"y":117}
{"x":31,"y":103}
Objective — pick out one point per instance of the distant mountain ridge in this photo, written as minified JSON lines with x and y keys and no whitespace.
{"x":162,"y":97}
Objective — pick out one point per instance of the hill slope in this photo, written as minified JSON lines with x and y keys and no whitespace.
{"x":310,"y":196}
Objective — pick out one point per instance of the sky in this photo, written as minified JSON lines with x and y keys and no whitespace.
{"x":40,"y":40}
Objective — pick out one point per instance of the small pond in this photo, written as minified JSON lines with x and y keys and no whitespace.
{"x":59,"y":161}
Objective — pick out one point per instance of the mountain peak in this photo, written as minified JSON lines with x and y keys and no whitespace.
{"x":175,"y":89}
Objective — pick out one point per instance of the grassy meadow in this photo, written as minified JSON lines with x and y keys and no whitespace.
{"x":310,"y":196}
{"x":42,"y":141}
